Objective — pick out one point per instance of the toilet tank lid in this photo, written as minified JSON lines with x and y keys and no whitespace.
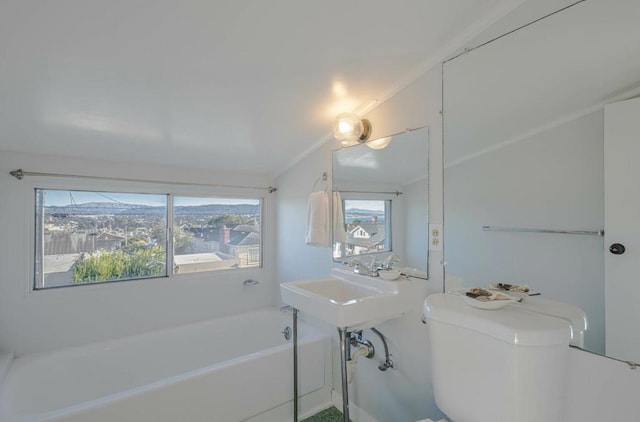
{"x":573,"y":314}
{"x":509,"y":324}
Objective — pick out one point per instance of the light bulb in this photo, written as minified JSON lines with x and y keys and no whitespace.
{"x":347,"y":127}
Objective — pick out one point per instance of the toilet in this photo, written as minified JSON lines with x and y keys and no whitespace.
{"x":506,"y":365}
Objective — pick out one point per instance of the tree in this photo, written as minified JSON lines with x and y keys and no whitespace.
{"x":120,"y":264}
{"x":229,"y":220}
{"x":183,"y":240}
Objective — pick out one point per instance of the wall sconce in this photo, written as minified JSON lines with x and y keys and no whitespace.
{"x":379,"y":143}
{"x":349,"y":128}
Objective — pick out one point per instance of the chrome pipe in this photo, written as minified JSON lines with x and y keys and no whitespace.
{"x":388,"y":363}
{"x":295,"y":365}
{"x":344,"y":358}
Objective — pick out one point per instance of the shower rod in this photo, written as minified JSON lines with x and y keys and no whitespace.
{"x":20,"y":174}
{"x":396,"y":193}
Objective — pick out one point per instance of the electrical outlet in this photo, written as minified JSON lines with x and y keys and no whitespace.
{"x":435,"y":237}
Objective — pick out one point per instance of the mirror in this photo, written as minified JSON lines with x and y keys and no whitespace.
{"x":540,"y":155}
{"x":384,"y":198}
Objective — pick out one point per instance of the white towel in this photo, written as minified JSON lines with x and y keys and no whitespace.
{"x":339,"y":233}
{"x":318,"y":233}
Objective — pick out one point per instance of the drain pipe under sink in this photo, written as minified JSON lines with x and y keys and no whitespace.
{"x":388,"y":363}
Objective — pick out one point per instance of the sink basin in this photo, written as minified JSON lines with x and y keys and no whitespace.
{"x":348,"y":300}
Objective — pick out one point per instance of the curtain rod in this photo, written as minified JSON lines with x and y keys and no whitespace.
{"x":20,"y":174}
{"x":396,"y":193}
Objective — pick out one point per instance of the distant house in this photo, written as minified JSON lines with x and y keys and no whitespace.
{"x":235,"y":247}
{"x":244,"y":244}
{"x":203,"y":262}
{"x":365,"y":238}
{"x":108,"y":241}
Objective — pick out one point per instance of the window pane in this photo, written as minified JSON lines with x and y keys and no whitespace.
{"x":368,"y":227}
{"x":216,"y":233}
{"x":89,"y":237}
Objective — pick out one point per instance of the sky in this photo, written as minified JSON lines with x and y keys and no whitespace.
{"x":364,"y":204}
{"x":66,"y":197}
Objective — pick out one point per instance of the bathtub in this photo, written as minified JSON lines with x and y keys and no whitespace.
{"x":225,"y":370}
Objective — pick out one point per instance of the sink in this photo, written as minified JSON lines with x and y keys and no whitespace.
{"x":348,"y":300}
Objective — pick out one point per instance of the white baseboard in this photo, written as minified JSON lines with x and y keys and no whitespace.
{"x":355,"y":413}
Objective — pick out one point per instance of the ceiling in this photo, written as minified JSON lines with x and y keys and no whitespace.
{"x":243,"y":86}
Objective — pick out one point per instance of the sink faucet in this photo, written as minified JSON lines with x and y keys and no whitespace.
{"x":359,"y":268}
{"x":389,"y":261}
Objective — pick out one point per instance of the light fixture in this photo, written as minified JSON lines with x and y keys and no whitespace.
{"x":379,"y":143}
{"x":349,"y":128}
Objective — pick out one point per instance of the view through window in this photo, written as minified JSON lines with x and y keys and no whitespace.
{"x":215,"y":233}
{"x":89,"y":237}
{"x":367,"y":226}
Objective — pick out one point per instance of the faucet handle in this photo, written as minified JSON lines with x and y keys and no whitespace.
{"x":389,"y":261}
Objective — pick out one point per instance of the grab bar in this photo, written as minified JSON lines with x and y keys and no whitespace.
{"x":527,"y":230}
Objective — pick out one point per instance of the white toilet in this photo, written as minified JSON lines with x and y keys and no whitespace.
{"x":506,"y":365}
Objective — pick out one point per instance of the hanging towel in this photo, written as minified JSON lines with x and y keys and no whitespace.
{"x":339,"y":233}
{"x":317,"y":233}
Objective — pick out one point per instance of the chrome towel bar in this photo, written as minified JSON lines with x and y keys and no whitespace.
{"x":528,"y":230}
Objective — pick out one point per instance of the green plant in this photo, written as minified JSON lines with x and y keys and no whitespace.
{"x":120,"y":264}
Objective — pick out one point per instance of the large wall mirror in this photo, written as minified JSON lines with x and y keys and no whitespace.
{"x":383,"y":192}
{"x":542,"y":141}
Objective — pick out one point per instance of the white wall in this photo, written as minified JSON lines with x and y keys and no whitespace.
{"x":32,"y":321}
{"x":416,"y":244}
{"x":398,"y":395}
{"x":553,"y":180}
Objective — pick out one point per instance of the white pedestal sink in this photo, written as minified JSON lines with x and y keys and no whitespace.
{"x":349,"y":300}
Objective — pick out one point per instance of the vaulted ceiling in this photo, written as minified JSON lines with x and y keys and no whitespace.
{"x":236,"y":85}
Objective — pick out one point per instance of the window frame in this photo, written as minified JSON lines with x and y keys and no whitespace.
{"x":44,"y":184}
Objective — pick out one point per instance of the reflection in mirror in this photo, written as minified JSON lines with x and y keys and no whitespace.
{"x":382,"y":187}
{"x":540,"y":156}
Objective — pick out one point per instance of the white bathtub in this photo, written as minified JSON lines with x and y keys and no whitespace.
{"x":224,"y":370}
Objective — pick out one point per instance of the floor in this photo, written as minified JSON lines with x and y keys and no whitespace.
{"x":329,"y":415}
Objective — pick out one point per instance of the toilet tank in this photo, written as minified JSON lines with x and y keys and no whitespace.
{"x":575,"y":316}
{"x":506,"y":365}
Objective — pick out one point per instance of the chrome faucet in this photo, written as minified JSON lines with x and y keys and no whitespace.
{"x":374,"y":266}
{"x":359,"y":268}
{"x":389,"y":261}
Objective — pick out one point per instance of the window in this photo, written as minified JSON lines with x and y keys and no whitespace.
{"x":215,"y":233}
{"x":87,"y":237}
{"x":368,"y":228}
